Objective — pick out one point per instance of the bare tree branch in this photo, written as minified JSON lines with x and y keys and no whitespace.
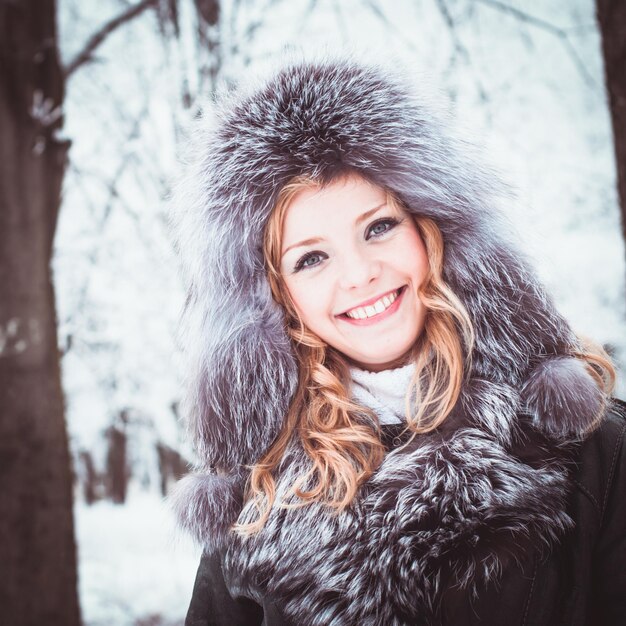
{"x":250,"y":32}
{"x":522,"y":15}
{"x":460,"y":48}
{"x":341,"y":22}
{"x":560,"y":33}
{"x":305,"y":16}
{"x":86,"y":55}
{"x":114,"y":199}
{"x":383,"y":18}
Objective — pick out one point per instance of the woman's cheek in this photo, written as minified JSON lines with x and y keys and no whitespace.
{"x":303,"y":296}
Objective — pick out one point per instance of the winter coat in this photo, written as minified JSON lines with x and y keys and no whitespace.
{"x":452,"y":512}
{"x":582,"y":582}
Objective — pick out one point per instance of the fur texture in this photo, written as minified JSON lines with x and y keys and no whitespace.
{"x":207,"y":504}
{"x":454,"y":507}
{"x":437,"y":515}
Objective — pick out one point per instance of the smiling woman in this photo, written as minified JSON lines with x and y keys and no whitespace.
{"x":357,"y":287}
{"x":394,"y":423}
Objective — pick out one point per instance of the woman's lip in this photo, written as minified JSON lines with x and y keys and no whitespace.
{"x":376,"y":318}
{"x":370,"y":301}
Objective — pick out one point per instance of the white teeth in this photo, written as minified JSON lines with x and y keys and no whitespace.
{"x":369,"y":311}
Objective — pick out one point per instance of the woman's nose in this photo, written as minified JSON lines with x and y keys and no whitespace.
{"x":358,"y":270}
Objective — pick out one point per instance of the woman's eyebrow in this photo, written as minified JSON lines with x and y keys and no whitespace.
{"x":312,"y":240}
{"x":305,"y":242}
{"x":370,"y":213}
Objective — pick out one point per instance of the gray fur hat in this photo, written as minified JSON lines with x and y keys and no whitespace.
{"x":323,"y":118}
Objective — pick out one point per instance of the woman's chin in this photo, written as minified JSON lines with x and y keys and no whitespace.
{"x":378,"y":363}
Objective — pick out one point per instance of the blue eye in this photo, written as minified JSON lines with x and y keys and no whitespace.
{"x":303,"y":261}
{"x":381,"y":227}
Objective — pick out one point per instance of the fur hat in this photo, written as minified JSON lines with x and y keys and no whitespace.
{"x":323,"y":118}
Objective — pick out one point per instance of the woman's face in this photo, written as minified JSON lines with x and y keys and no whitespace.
{"x":353,"y":265}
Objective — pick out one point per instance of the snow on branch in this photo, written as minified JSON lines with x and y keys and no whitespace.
{"x":377,"y":11}
{"x":86,"y":55}
{"x":558,"y":32}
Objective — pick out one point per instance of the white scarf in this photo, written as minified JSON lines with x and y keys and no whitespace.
{"x":383,"y":392}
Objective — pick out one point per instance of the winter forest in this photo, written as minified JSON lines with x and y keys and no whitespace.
{"x":96,"y":104}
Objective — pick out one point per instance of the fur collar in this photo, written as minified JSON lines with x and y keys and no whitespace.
{"x":450,"y":510}
{"x":455,"y":505}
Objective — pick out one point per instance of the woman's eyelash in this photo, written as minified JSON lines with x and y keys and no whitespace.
{"x":392,"y":222}
{"x":300,"y":265}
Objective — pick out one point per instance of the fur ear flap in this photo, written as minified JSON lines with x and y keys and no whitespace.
{"x":563,"y":398}
{"x":207,"y":505}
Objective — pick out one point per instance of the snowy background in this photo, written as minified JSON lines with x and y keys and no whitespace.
{"x":524,"y":78}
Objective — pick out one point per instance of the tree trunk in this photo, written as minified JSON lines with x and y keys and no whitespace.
{"x":612,"y":21}
{"x":37,"y":548}
{"x":116,"y":469}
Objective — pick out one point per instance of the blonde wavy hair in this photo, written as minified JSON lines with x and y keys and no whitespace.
{"x":342,"y":438}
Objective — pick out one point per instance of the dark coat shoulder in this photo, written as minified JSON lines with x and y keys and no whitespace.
{"x":601,"y":481}
{"x":582,"y":582}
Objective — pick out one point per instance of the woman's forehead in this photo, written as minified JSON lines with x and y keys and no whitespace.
{"x":342,"y":201}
